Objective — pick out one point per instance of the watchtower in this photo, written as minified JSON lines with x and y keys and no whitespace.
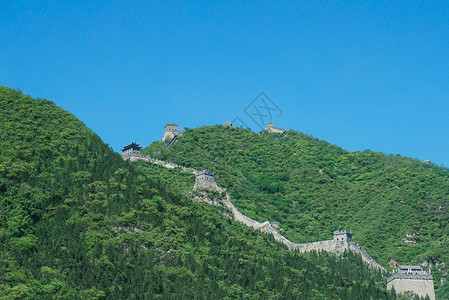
{"x":269,"y":126}
{"x":131,"y":151}
{"x":170,"y":131}
{"x":414,"y":279}
{"x":342,"y":236}
{"x":205,"y":179}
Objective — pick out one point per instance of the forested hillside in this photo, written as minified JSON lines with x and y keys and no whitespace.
{"x":78,"y":222}
{"x":396,"y":207}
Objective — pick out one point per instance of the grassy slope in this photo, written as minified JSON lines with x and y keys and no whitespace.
{"x":313,"y":188}
{"x":78,"y":222}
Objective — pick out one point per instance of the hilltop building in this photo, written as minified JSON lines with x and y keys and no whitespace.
{"x":412,"y":278}
{"x":170,"y":131}
{"x":131,"y":152}
{"x":342,"y":236}
{"x":269,"y":126}
{"x":205,"y":179}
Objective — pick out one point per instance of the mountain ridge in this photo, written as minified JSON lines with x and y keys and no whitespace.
{"x":224,"y":199}
{"x":77,"y":222}
{"x":405,"y":202}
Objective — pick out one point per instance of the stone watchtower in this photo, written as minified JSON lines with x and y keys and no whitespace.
{"x":414,"y":279}
{"x":342,"y":236}
{"x":205,"y":179}
{"x":170,"y":131}
{"x":269,"y":126}
{"x":131,"y":151}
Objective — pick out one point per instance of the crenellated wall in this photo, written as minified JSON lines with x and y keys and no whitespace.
{"x":333,"y":246}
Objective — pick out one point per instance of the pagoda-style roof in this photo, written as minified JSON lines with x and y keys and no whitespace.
{"x":133,"y":146}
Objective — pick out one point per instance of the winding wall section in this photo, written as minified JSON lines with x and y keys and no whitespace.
{"x":337,"y":247}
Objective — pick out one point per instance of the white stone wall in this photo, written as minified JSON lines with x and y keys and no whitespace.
{"x":337,"y":247}
{"x":419,"y":286}
{"x":168,"y":135}
{"x":275,"y":130}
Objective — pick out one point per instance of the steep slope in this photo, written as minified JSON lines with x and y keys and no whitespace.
{"x":397,"y":208}
{"x":76,"y":221}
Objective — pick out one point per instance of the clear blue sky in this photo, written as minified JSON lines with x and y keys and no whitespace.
{"x":359,"y":74}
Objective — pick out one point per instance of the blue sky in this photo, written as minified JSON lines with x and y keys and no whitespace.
{"x":359,"y":74}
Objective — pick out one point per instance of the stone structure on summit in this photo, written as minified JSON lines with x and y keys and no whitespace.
{"x":205,"y":179}
{"x":342,"y":235}
{"x":132,"y":152}
{"x":407,"y":278}
{"x":269,"y":126}
{"x":341,"y":242}
{"x":414,"y":279}
{"x":170,"y":131}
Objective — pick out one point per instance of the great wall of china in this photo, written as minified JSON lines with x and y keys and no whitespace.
{"x":403,"y":280}
{"x":132,"y":153}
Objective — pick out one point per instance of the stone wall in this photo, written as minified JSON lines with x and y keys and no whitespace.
{"x":169,"y":165}
{"x":337,"y":247}
{"x":205,"y":179}
{"x":421,"y":287}
{"x":170,"y":131}
{"x":133,"y":155}
{"x":333,"y":246}
{"x":270,"y":128}
{"x":168,"y":135}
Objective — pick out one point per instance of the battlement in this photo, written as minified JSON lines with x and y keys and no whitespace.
{"x":171,"y":127}
{"x":269,"y":126}
{"x":342,"y":236}
{"x":410,"y":272}
{"x":205,"y":179}
{"x":410,"y":269}
{"x":412,"y":278}
{"x":170,"y":131}
{"x":205,"y":175}
{"x":131,"y":151}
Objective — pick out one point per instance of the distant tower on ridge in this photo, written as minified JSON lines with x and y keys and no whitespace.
{"x":170,"y":131}
{"x":269,"y":126}
{"x":131,"y":151}
{"x":205,"y":179}
{"x":342,"y":236}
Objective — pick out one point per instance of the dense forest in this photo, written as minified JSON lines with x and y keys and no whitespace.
{"x":78,"y":222}
{"x":396,"y":207}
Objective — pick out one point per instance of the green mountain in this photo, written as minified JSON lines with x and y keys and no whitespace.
{"x":78,"y":222}
{"x":396,"y":207}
